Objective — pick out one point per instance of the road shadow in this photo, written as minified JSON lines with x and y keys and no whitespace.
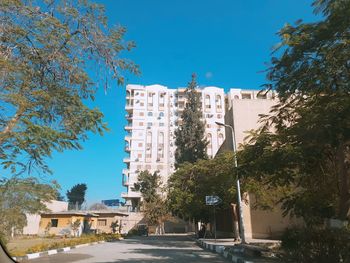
{"x":177,"y":241}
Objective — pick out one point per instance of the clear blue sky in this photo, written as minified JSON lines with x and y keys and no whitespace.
{"x":226,"y":42}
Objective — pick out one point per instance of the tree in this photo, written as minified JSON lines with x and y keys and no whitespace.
{"x":48,"y":51}
{"x":19,"y":196}
{"x":190,"y":138}
{"x":75,"y":225}
{"x":154,"y":203}
{"x":98,"y":206}
{"x":190,"y":183}
{"x":76,"y":196}
{"x":114,"y":226}
{"x":308,"y":150}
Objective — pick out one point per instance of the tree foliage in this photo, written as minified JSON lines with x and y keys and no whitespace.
{"x":19,"y":196}
{"x":304,"y":143}
{"x":190,"y":183}
{"x":48,"y":51}
{"x":154,"y":203}
{"x":76,"y":195}
{"x":190,"y":138}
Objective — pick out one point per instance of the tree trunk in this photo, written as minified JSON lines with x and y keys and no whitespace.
{"x":235,"y":221}
{"x":343,"y":162}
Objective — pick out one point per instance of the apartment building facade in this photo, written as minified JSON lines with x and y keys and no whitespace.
{"x":153,"y":115}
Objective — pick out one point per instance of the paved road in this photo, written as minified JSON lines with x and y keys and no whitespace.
{"x":153,"y":249}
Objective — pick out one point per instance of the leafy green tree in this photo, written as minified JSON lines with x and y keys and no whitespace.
{"x":19,"y":196}
{"x":154,"y":203}
{"x":190,"y":138}
{"x":76,"y":195}
{"x":114,"y":226}
{"x":48,"y":51}
{"x":190,"y":183}
{"x":309,"y":149}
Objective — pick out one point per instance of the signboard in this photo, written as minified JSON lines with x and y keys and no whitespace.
{"x":112,"y":202}
{"x":212,"y":200}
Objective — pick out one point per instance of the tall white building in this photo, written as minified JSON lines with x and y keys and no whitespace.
{"x":153,"y":115}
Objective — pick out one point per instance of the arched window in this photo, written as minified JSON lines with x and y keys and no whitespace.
{"x":220,"y":139}
{"x":160,"y":145}
{"x":207,"y":102}
{"x":218,"y":102}
{"x":161,"y":114}
{"x":236,"y":97}
{"x":149,"y":145}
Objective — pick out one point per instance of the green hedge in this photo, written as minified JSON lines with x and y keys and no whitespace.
{"x":316,"y":245}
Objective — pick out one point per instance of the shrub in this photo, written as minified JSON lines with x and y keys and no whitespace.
{"x":316,"y":245}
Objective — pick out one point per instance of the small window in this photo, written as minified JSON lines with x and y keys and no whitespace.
{"x":101,"y":222}
{"x":142,"y":114}
{"x":246,"y":96}
{"x":149,"y":124}
{"x":142,"y":94}
{"x":142,"y":104}
{"x":161,"y":114}
{"x":161,"y":124}
{"x":150,"y":114}
{"x":140,"y":144}
{"x":54,"y":222}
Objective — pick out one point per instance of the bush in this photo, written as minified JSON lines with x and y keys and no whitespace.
{"x":316,"y":245}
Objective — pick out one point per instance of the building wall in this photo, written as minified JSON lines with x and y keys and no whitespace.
{"x":33,"y":220}
{"x":63,"y":225}
{"x":108,"y":219}
{"x":243,"y":110}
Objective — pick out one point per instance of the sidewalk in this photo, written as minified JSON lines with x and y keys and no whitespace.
{"x":255,"y":251}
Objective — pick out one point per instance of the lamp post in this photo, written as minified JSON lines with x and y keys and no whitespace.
{"x":242,"y":234}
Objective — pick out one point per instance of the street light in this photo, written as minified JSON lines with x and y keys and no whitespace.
{"x":242,"y":234}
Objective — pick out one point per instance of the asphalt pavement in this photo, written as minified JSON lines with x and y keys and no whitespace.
{"x":152,"y":249}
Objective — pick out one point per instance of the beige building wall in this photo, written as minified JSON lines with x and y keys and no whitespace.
{"x":33,"y":220}
{"x":243,"y":110}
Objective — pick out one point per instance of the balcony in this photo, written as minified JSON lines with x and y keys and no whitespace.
{"x":127,"y":148}
{"x":125,"y":181}
{"x":126,"y":160}
{"x":128,"y":117}
{"x":125,"y":171}
{"x":124,"y":195}
{"x":128,"y":127}
{"x":127,"y":138}
{"x":129,"y":107}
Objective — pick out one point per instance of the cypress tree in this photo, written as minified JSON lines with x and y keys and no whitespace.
{"x":190,"y":139}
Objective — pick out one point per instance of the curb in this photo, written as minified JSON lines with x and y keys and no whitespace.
{"x":230,"y":253}
{"x":54,"y":251}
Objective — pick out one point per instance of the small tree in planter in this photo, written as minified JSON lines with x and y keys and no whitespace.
{"x":114,"y":226}
{"x":75,"y":227}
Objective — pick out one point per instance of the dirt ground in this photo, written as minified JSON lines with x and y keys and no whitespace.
{"x":23,"y":243}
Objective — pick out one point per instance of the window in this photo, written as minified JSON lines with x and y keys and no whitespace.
{"x":161,"y":114}
{"x":140,"y":123}
{"x":246,"y":96}
{"x":142,"y":104}
{"x":218,"y":102}
{"x":236,"y":97}
{"x":150,"y":114}
{"x":149,"y":124}
{"x":161,"y":124}
{"x":102,"y":222}
{"x":140,"y":144}
{"x":142,"y":94}
{"x":210,"y":145}
{"x":207,"y":102}
{"x":54,"y":222}
{"x":139,"y":155}
{"x":142,"y":114}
